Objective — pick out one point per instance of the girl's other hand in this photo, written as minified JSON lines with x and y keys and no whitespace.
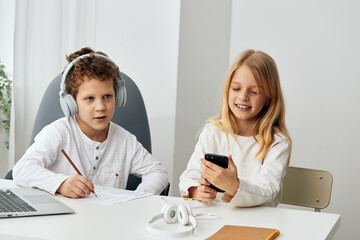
{"x":203,"y":192}
{"x":76,"y":186}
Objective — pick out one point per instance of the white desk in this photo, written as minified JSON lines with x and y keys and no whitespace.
{"x":127,"y":221}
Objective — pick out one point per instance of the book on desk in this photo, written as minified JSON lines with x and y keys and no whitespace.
{"x":230,"y":232}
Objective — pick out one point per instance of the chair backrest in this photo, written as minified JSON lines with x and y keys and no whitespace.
{"x":307,"y":188}
{"x":132,"y":117}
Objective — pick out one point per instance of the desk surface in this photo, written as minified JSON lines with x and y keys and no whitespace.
{"x":127,"y":220}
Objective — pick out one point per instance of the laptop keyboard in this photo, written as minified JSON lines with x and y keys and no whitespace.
{"x":10,"y":202}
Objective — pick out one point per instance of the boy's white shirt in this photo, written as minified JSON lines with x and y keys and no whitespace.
{"x":259,"y":183}
{"x":45,"y":167}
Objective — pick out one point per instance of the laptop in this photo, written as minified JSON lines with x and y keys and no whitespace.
{"x":22,"y":202}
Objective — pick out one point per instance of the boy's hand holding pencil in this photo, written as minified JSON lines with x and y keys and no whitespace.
{"x":76,"y":186}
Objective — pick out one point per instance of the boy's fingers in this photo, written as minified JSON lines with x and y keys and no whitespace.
{"x":87,"y":182}
{"x":85,"y":188}
{"x":78,"y":192}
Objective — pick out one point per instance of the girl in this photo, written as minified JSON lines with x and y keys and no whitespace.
{"x":104,"y":152}
{"x":250,"y":129}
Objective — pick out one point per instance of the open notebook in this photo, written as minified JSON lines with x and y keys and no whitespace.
{"x":22,"y":202}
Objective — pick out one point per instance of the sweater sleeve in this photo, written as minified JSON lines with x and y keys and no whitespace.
{"x":32,"y":169}
{"x":189,"y":178}
{"x":154,"y":177}
{"x":266,"y":186}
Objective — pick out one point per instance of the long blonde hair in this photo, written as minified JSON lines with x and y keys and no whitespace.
{"x":272,"y":116}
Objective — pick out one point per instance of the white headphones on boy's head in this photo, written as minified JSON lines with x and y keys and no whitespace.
{"x":68,"y":103}
{"x":171,"y":214}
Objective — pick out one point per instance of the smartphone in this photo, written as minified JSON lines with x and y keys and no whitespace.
{"x":219,"y":160}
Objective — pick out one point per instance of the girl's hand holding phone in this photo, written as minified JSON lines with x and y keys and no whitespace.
{"x":203,"y":192}
{"x":223,"y":178}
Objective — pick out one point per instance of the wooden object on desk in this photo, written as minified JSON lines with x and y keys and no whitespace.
{"x":230,"y":232}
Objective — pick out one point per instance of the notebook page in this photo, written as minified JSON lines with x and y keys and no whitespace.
{"x":110,"y":196}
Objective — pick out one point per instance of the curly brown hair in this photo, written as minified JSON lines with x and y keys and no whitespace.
{"x":89,"y":67}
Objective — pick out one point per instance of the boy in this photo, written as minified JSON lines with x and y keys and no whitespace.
{"x":104,"y":152}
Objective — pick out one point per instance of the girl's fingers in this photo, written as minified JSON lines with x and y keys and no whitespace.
{"x":231,"y":162}
{"x":203,"y":181}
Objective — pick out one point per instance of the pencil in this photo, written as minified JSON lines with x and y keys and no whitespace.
{"x":72,"y":164}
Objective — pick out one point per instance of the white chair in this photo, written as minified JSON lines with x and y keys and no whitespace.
{"x":307,"y":188}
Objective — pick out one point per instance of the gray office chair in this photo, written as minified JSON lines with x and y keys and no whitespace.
{"x":307,"y":188}
{"x":132,"y":117}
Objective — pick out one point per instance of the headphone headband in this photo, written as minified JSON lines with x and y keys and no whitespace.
{"x":163,"y":233}
{"x":71,"y":64}
{"x":68,"y":103}
{"x":172,"y":213}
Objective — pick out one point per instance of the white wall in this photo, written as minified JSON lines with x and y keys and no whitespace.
{"x":203,"y":58}
{"x":316,"y":46}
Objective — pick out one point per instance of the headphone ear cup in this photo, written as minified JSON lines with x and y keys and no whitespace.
{"x":124,"y":96}
{"x":184,"y":213}
{"x":169,"y":212}
{"x":68,"y":105}
{"x":121,"y":96}
{"x":121,"y":91}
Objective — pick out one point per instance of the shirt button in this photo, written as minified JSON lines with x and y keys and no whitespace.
{"x":94,"y":168}
{"x":116,"y":174}
{"x":97,"y":147}
{"x":96,"y":158}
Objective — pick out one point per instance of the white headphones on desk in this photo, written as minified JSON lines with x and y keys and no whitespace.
{"x":172,"y":213}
